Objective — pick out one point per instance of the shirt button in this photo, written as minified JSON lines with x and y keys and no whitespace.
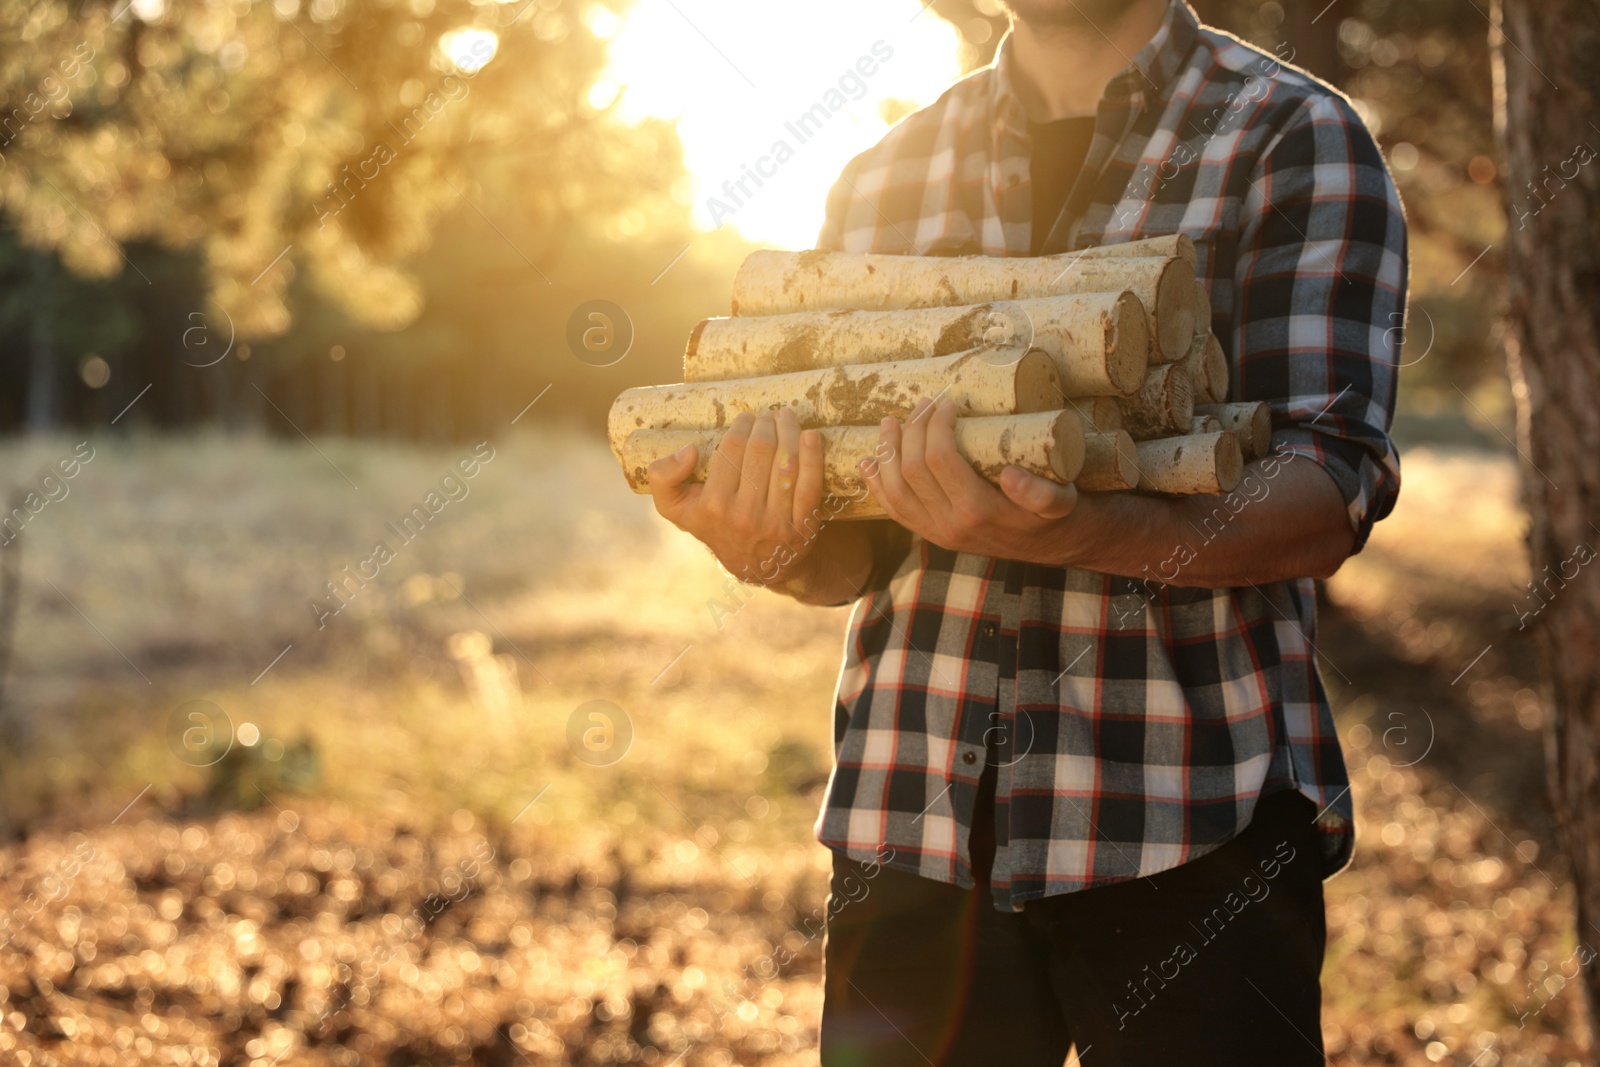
{"x":969,"y":758}
{"x":989,"y":629}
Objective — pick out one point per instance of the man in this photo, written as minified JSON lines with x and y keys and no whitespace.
{"x":1087,"y":781}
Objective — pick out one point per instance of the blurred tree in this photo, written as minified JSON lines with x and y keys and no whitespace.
{"x":329,"y":140}
{"x":1546,"y":68}
{"x":1300,"y":33}
{"x":41,"y":317}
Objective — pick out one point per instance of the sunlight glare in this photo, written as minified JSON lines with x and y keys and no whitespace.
{"x":771,"y":102}
{"x":470,"y":49}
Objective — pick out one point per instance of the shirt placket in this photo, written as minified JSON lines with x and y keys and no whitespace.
{"x":1000,"y":626}
{"x":976,"y":711}
{"x":978,"y":693}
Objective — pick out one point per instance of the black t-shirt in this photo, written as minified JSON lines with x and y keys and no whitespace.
{"x":1059,"y":149}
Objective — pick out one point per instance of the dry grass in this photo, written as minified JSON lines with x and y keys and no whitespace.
{"x":619,"y":914}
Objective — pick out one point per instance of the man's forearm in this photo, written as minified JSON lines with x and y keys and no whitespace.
{"x":834,"y":572}
{"x":1286,"y":520}
{"x":1287,"y":524}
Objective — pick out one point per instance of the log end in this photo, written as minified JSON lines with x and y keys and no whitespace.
{"x":1038,"y":383}
{"x":1110,"y":463}
{"x":759,"y":283}
{"x":1250,"y":420}
{"x":1067,"y":447}
{"x":643,"y":447}
{"x":1202,"y":308}
{"x":1180,"y":399}
{"x":1174,"y":313}
{"x":1128,"y":344}
{"x":617,"y":421}
{"x":693,"y":346}
{"x":1260,"y":433}
{"x":1229,"y":461}
{"x":1185,"y":249}
{"x":1216,"y":368}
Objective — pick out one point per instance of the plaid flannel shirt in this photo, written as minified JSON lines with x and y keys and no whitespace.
{"x":1135,"y":724}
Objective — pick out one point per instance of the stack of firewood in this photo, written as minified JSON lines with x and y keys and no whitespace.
{"x":1096,"y":368}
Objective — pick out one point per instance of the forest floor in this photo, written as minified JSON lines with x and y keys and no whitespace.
{"x":250,"y":831}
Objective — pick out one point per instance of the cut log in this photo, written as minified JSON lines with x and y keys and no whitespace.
{"x":1164,"y":406}
{"x":1192,"y":464}
{"x":1100,"y":341}
{"x":982,"y":382}
{"x":1202,"y":308}
{"x":1217,"y":376}
{"x":1049,"y":444}
{"x":1110,"y":462}
{"x":1208,"y":370}
{"x":1252,"y":421}
{"x":1194,"y":364}
{"x":1101,"y":414}
{"x":775,"y":283}
{"x":1178,"y":244}
{"x":1205,"y":424}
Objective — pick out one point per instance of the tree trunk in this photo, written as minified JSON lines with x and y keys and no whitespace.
{"x":1548,"y":84}
{"x":42,"y":350}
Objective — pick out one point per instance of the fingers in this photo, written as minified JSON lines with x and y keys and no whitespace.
{"x":914,"y":456}
{"x":954,"y":476}
{"x":785,"y":466}
{"x":756,"y":471}
{"x":1040,"y":496}
{"x":885,"y":480}
{"x":723,"y":472}
{"x":668,"y":476}
{"x":808,"y":481}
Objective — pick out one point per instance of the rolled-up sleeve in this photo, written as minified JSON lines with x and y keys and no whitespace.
{"x":1321,"y":285}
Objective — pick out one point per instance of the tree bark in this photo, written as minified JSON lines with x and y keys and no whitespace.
{"x":1099,"y":341}
{"x":1206,"y":463}
{"x":981,"y":382}
{"x":1049,"y":444}
{"x":1549,"y":80}
{"x":777,"y":283}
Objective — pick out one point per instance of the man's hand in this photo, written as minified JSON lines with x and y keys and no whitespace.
{"x":926,"y":486}
{"x":1286,"y":520}
{"x":763,"y":485}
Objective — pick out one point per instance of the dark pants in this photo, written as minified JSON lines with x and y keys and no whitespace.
{"x":1214,"y":962}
